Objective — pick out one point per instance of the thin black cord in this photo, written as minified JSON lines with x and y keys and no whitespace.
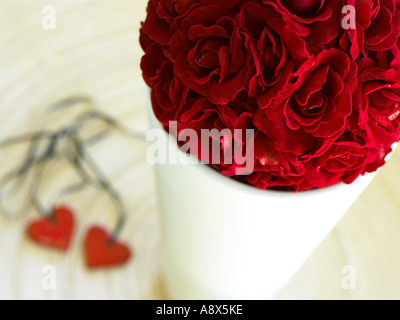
{"x":101,"y":182}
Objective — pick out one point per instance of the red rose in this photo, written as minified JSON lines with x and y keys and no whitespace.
{"x":393,"y":56}
{"x":168,"y":94}
{"x":198,"y":113}
{"x":161,"y":22}
{"x":318,"y":21}
{"x":277,"y":50}
{"x":377,"y":26}
{"x":315,"y":103}
{"x":376,"y":104}
{"x":160,"y":18}
{"x":209,"y":54}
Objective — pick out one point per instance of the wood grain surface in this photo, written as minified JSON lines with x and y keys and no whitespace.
{"x":94,"y":50}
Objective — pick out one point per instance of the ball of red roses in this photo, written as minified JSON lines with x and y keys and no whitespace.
{"x":322,"y":99}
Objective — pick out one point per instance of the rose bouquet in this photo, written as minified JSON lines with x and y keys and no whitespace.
{"x":317,"y":80}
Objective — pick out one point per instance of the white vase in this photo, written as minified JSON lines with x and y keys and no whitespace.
{"x":223,"y":239}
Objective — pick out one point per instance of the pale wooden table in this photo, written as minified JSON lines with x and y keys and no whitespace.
{"x":94,"y":50}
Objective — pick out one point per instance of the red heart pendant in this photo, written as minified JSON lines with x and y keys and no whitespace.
{"x":54,"y":231}
{"x":103,"y":251}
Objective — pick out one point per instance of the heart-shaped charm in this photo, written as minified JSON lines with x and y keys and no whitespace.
{"x":55,"y":230}
{"x":104,"y":251}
